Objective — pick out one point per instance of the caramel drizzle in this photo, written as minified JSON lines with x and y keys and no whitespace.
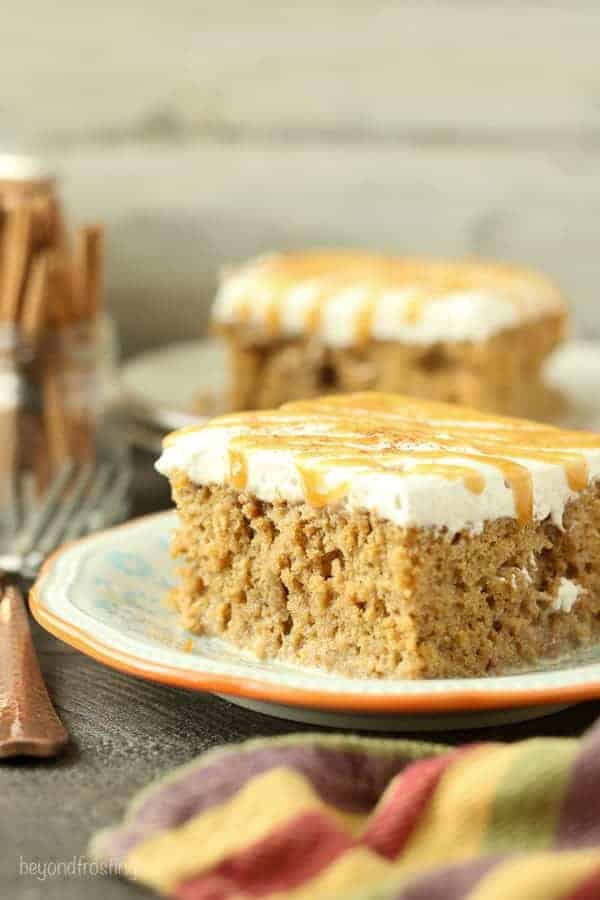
{"x":238,"y":468}
{"x":318,"y":495}
{"x":313,"y":316}
{"x":366,"y":314}
{"x":472,"y":480}
{"x":315,"y":311}
{"x":386,"y":433}
{"x":432,"y":281}
{"x":325,"y":454}
{"x":413,"y":311}
{"x":273,"y":318}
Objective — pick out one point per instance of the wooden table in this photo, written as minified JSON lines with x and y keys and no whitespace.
{"x":125,"y":732}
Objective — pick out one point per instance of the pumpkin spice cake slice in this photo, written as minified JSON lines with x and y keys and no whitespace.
{"x":471,"y":332}
{"x":379,"y":535}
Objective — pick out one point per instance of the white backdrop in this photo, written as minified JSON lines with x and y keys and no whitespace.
{"x":202,"y":133}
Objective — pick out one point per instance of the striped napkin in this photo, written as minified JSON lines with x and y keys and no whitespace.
{"x":349,"y":818}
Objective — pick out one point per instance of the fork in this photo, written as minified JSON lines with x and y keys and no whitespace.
{"x":80,"y":499}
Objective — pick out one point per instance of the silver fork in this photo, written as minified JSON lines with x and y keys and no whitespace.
{"x":80,"y":499}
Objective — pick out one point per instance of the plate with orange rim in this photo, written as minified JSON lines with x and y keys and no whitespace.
{"x":107,"y":594}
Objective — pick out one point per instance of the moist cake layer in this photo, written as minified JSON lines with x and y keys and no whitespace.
{"x":347,"y":591}
{"x":380,"y":535}
{"x":501,"y":374}
{"x":346,"y":298}
{"x":409,"y":462}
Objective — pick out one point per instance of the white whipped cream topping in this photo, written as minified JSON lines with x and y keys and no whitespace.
{"x":566,"y":595}
{"x":422,"y":499}
{"x":472,"y":315}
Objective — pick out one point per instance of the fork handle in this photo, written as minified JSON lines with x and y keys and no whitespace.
{"x":28,"y":723}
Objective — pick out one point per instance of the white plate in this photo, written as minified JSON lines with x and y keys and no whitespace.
{"x":162,"y":385}
{"x":106,"y":596}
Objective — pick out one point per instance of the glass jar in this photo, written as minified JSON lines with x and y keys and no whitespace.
{"x":57,"y":351}
{"x":55,"y":394}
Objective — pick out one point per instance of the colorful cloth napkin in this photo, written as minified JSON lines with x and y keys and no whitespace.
{"x":331,"y":817}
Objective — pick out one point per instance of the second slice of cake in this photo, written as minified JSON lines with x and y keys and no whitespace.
{"x":379,"y":535}
{"x":304,"y":324}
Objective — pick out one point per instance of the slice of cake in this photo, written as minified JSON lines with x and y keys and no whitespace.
{"x":303,"y":325}
{"x":378,"y":535}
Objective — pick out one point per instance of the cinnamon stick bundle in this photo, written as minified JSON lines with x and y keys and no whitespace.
{"x":48,"y":289}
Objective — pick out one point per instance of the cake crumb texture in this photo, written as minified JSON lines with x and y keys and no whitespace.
{"x":501,"y":374}
{"x":349,"y":592}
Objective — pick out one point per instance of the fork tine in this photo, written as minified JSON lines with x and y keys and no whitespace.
{"x":80,"y":522}
{"x":57,"y":526}
{"x":113,"y":502}
{"x":81,"y":498}
{"x":29,"y":501}
{"x":36,"y":523}
{"x":14,"y":505}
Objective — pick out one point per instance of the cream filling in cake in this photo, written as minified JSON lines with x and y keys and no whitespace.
{"x":412,"y":463}
{"x":347,"y":298}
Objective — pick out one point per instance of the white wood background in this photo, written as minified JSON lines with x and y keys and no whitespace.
{"x":202,"y":133}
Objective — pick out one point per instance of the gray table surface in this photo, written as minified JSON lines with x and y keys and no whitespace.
{"x":124,"y":733}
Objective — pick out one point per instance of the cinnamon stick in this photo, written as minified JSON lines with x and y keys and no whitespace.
{"x":56,"y":420}
{"x":15,"y":255}
{"x":35,"y":300}
{"x":87,"y":270}
{"x":43,"y":226}
{"x":60,"y":302}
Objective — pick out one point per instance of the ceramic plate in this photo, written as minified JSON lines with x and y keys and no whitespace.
{"x":106,"y":595}
{"x":162,"y":386}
